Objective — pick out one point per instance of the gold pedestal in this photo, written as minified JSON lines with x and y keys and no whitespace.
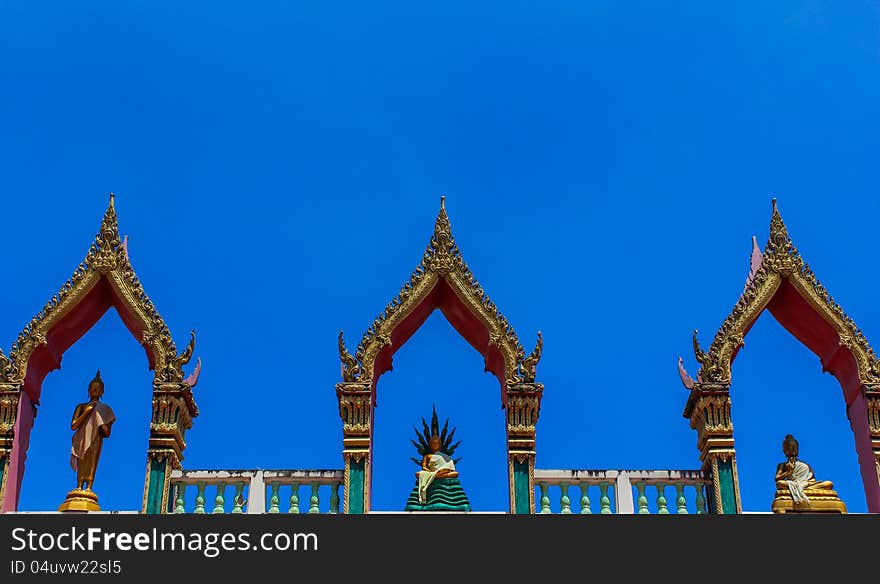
{"x":80,"y":501}
{"x":821,"y":502}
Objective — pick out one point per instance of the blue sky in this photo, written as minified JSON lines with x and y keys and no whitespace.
{"x":278,"y":169}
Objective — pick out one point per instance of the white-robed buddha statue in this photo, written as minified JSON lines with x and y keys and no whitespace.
{"x":797,"y":489}
{"x":435,"y":465}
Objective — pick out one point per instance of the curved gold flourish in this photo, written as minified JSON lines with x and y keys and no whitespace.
{"x":530,"y":363}
{"x":7,"y":367}
{"x":351,"y":369}
{"x":106,"y":258}
{"x":442,"y":259}
{"x":782,"y":262}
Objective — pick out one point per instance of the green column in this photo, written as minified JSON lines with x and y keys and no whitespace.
{"x":155,"y":486}
{"x":728,"y":488}
{"x":521,"y":496}
{"x":355,"y":501}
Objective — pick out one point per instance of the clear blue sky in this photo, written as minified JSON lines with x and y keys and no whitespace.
{"x":278,"y":168}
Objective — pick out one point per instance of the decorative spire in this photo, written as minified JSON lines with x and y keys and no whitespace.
{"x":780,"y":254}
{"x":105,"y":251}
{"x":778,"y":231}
{"x":442,"y":251}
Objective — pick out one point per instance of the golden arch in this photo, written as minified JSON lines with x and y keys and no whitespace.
{"x":104,"y":279}
{"x":782,"y":283}
{"x":442,"y":281}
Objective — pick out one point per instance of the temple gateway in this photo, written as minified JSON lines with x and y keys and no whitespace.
{"x":779,"y":281}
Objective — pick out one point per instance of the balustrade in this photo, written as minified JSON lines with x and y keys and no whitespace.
{"x":620,"y":491}
{"x":256,"y":491}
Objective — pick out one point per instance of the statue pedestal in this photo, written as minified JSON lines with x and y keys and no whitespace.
{"x":443,"y":495}
{"x":80,"y":501}
{"x":827,"y":502}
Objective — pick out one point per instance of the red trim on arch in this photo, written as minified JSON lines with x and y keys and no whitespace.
{"x":462,"y":319}
{"x":796,"y":315}
{"x":805,"y":324}
{"x":72,"y":327}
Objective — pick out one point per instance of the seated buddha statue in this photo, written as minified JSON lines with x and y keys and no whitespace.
{"x":798,"y":490}
{"x":437,"y":486}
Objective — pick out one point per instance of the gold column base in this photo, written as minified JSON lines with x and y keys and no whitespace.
{"x":815,"y":505}
{"x":80,"y":501}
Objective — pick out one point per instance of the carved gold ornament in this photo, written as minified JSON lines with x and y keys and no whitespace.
{"x":107,"y":258}
{"x":781,"y":262}
{"x":442,"y":260}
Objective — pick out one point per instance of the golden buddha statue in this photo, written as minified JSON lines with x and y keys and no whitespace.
{"x":797,"y":490}
{"x":91,"y":423}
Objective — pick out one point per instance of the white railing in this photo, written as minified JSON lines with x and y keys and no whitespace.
{"x":620,"y":491}
{"x":255,"y":491}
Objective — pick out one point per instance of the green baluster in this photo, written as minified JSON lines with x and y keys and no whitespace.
{"x":181,"y":497}
{"x":585,"y":500}
{"x":220,"y":500}
{"x":642,"y":499}
{"x":273,"y":498}
{"x":662,"y":509}
{"x":238,"y":500}
{"x":680,"y":500}
{"x":294,"y":499}
{"x":334,"y":498}
{"x":604,"y":499}
{"x":314,"y":501}
{"x":701,"y":500}
{"x":545,"y":499}
{"x":200,"y":498}
{"x":564,"y":501}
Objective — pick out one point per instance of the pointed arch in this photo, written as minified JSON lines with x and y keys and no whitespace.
{"x":785,"y":285}
{"x":442,"y":281}
{"x":782,"y":283}
{"x":104,"y":279}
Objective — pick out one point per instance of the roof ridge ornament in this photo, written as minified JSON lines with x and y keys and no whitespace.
{"x":780,"y":262}
{"x":107,"y":257}
{"x":442,"y":252}
{"x":441,"y":260}
{"x":780,"y":253}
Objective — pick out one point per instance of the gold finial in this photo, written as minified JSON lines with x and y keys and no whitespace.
{"x":778,"y":241}
{"x":443,"y":202}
